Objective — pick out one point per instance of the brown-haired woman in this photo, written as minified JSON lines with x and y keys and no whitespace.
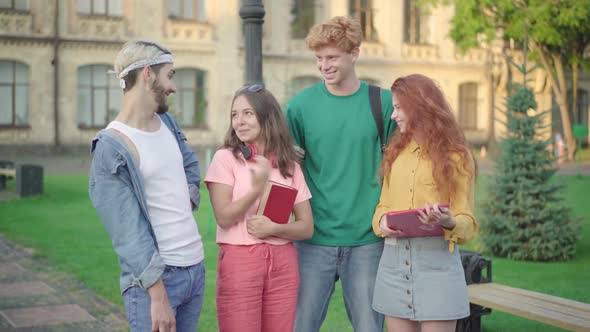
{"x":427,"y":163}
{"x":258,"y":272}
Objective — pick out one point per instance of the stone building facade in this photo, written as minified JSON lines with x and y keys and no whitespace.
{"x":54,"y":57}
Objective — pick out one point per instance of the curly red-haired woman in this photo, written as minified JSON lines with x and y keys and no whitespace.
{"x":420,"y":280}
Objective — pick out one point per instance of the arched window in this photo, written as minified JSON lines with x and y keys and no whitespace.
{"x":99,"y":96}
{"x":468,"y":105}
{"x":14,"y":94}
{"x":189,"y":104}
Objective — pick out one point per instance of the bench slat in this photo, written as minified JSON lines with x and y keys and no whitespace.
{"x":581,"y":306}
{"x":8,"y":172}
{"x":495,"y":298}
{"x":541,"y":315}
{"x":530,"y":298}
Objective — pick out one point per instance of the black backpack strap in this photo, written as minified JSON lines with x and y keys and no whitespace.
{"x":375,"y":99}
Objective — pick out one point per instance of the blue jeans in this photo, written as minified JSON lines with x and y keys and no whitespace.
{"x":319,"y":269}
{"x":185,"y":287}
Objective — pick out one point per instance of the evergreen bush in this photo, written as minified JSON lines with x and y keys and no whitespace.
{"x":525,"y":217}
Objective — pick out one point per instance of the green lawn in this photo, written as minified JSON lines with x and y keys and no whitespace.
{"x":64,"y":230}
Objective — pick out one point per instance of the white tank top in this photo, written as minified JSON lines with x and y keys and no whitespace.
{"x":166,"y":192}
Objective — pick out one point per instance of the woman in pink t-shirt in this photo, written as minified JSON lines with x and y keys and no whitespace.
{"x":257,"y":273}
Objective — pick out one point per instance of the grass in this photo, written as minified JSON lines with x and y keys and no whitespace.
{"x":64,"y":230}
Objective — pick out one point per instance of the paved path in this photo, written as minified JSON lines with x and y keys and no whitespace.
{"x":36,"y":297}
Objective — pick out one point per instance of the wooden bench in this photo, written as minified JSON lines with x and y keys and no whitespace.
{"x":8,"y":172}
{"x":552,"y":310}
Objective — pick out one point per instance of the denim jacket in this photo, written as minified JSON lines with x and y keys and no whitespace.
{"x":117,"y":193}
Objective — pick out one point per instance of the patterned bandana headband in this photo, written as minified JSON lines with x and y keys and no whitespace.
{"x":164,"y":58}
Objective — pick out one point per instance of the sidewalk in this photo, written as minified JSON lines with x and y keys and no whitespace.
{"x":36,"y":297}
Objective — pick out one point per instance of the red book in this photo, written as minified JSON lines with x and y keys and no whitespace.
{"x":277,"y":202}
{"x":407,"y":221}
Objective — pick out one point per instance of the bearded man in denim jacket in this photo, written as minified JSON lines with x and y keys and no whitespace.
{"x":144,"y":184}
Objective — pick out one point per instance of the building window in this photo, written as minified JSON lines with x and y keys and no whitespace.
{"x":188,"y":10}
{"x":189,"y":103}
{"x":99,"y":7}
{"x":14,"y":94}
{"x":363,"y":10}
{"x":99,"y":96}
{"x":303,"y":13}
{"x":14,"y":5}
{"x":468,"y":105}
{"x":416,"y":24}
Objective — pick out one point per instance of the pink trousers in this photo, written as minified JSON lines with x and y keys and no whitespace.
{"x":257,"y":287}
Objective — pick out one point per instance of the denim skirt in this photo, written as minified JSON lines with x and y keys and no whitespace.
{"x":419,"y":279}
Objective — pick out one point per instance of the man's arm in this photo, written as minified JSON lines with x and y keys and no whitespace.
{"x":193,"y":173}
{"x":119,"y":210}
{"x":117,"y":205}
{"x":160,"y":310}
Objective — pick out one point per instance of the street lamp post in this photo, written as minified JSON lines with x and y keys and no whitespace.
{"x":252,"y":13}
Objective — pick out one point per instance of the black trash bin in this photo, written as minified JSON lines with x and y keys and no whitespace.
{"x":478,"y":269}
{"x":29,"y":180}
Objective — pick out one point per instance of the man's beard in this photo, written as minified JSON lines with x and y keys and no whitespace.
{"x":160,"y":95}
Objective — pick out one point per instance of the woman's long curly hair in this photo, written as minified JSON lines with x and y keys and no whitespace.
{"x":429,"y":117}
{"x":278,"y":142}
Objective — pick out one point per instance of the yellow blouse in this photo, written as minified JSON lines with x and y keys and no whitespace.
{"x":410,"y":185}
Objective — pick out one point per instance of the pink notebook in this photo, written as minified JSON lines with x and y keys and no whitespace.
{"x":407,"y":221}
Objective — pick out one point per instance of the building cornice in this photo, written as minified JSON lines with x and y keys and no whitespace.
{"x":15,"y":40}
{"x":380,"y":61}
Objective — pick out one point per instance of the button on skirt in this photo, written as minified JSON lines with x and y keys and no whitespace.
{"x":419,"y":279}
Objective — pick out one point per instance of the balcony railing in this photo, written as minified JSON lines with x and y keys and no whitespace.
{"x":102,"y":27}
{"x":474,"y":56}
{"x":16,"y":23}
{"x":372,"y":50}
{"x":420,"y":52}
{"x":368,"y":49}
{"x":186,"y":31}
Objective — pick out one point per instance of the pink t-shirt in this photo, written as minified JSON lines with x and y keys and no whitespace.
{"x":226,"y":169}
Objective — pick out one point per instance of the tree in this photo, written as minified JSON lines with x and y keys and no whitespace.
{"x":558,"y":36}
{"x":525,"y":218}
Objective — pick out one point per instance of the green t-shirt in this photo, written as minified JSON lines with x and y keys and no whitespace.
{"x":342,"y":159}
